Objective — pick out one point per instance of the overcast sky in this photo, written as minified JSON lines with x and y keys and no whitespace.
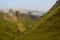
{"x":40,"y":5}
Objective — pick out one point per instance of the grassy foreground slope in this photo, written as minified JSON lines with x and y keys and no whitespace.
{"x":8,"y":30}
{"x":10,"y":27}
{"x":47,"y":28}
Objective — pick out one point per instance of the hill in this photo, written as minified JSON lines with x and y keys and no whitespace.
{"x":10,"y":27}
{"x":47,"y":28}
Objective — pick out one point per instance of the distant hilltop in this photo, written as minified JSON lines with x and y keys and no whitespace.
{"x":25,"y":11}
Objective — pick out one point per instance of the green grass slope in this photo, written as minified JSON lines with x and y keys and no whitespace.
{"x":8,"y":30}
{"x":47,"y":28}
{"x":10,"y":27}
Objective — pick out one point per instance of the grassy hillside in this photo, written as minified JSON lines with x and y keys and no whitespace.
{"x":47,"y":28}
{"x":10,"y":27}
{"x":12,"y":18}
{"x":8,"y":30}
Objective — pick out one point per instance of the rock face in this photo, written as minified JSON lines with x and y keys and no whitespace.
{"x":10,"y":17}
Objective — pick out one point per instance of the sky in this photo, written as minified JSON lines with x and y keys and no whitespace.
{"x":39,"y":5}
